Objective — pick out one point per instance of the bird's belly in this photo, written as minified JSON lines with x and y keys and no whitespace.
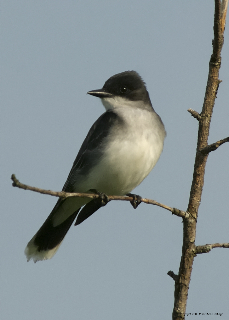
{"x":125,"y":165}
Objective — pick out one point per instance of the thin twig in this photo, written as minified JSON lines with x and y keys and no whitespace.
{"x":214,"y":146}
{"x":173,"y":275}
{"x":63,"y":194}
{"x":208,"y":247}
{"x":195,"y":114}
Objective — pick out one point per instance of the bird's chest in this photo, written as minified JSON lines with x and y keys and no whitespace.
{"x":129,"y":159}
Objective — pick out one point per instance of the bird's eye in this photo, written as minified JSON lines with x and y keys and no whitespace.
{"x":123,"y":89}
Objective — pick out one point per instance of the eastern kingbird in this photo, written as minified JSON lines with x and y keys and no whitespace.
{"x":119,"y":151}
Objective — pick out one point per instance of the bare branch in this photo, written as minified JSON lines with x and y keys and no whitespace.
{"x":208,"y":247}
{"x":189,"y":225}
{"x":62,"y":194}
{"x":214,"y":146}
{"x":224,"y":6}
{"x":195,"y":114}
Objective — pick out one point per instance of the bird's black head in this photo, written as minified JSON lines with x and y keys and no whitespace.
{"x":128,"y":85}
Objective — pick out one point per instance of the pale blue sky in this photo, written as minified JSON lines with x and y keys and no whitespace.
{"x":115,"y":264}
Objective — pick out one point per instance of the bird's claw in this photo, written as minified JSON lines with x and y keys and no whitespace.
{"x":103,"y":198}
{"x":136,"y":200}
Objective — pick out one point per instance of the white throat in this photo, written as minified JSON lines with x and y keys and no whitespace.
{"x":117,"y":102}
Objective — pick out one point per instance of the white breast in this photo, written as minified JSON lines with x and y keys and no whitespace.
{"x":130,"y":155}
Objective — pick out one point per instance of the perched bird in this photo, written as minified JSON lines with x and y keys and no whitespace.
{"x":119,"y":151}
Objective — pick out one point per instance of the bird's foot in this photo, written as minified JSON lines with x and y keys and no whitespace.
{"x":135,"y":201}
{"x":103,"y":198}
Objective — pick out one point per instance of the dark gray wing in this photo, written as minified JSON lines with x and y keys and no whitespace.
{"x":92,"y":147}
{"x":50,"y":236}
{"x":89,"y":154}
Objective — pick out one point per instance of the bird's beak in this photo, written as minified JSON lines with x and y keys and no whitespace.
{"x":100,"y":93}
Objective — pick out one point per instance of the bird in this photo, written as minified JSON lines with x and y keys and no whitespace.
{"x":118,"y":153}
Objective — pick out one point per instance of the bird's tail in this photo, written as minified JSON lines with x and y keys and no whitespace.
{"x":48,"y":238}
